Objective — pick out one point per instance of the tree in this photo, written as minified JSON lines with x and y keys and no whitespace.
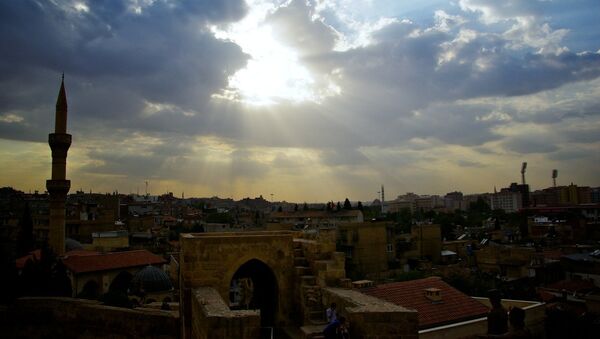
{"x":280,"y":209}
{"x":329,"y":206}
{"x":338,"y":207}
{"x":305,"y":207}
{"x":295,"y":207}
{"x":359,"y":206}
{"x":347,"y":204}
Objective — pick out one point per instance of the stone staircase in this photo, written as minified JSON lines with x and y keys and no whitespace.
{"x":313,"y":315}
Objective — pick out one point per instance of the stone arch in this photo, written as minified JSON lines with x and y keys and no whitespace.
{"x":263,"y":292}
{"x":120,"y":283}
{"x":90,"y":290}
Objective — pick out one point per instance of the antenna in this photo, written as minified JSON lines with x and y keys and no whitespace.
{"x":554,"y":176}
{"x":523,"y":168}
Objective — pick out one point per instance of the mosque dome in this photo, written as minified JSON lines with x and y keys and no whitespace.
{"x":151,"y":279}
{"x":72,"y":245}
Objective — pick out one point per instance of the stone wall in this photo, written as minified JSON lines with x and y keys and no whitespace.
{"x":78,"y":318}
{"x":372,"y":318}
{"x":212,"y":259}
{"x":213,"y":319}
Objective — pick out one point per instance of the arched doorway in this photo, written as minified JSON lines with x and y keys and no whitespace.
{"x":91,"y":290}
{"x":121,"y":282}
{"x":254,"y":286}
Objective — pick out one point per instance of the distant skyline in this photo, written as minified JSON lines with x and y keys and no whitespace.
{"x":307,"y":100}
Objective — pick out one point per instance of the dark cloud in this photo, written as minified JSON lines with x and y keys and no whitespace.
{"x":295,"y":25}
{"x":468,"y":163}
{"x":116,"y":60}
{"x":343,"y":157}
{"x":530,"y":144}
{"x":570,"y":154}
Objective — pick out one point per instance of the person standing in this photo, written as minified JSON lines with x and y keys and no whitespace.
{"x":497,"y":318}
{"x":336,"y":330}
{"x":331,"y":313}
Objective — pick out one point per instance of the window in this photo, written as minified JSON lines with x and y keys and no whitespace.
{"x":390,"y":248}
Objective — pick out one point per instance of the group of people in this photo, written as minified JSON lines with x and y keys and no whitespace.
{"x":498,"y":319}
{"x":336,"y":327}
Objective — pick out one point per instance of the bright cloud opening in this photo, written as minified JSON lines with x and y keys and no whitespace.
{"x":274,"y":72}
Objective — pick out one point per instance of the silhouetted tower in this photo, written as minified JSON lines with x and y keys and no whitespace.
{"x":523,"y":168}
{"x":59,"y":186}
{"x":554,"y":176}
{"x":382,"y":198}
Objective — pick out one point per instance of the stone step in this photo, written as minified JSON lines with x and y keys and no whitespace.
{"x":308,"y":280}
{"x":318,"y":322}
{"x":314,"y":331}
{"x":297,"y":243}
{"x":303,"y":270}
{"x":317,"y":315}
{"x":298,"y":252}
{"x":300,"y":261}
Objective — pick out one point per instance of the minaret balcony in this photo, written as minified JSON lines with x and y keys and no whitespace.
{"x":59,"y":140}
{"x":58,"y":187}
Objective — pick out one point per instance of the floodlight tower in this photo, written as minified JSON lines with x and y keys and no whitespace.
{"x":523,"y":168}
{"x":554,"y":176}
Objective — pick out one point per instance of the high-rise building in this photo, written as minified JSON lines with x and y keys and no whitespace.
{"x":58,"y":186}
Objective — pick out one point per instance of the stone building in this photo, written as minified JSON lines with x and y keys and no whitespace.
{"x":368,"y":248}
{"x":294,"y":276}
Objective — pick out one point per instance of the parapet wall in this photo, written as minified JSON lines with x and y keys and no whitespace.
{"x":213,"y":319}
{"x":78,"y":318}
{"x":372,"y":318}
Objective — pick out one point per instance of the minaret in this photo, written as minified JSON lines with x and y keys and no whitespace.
{"x":59,"y":186}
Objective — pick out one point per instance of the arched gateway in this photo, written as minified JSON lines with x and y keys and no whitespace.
{"x":249,"y":271}
{"x":254,"y":286}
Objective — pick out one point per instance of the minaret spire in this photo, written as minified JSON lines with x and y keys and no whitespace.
{"x":59,"y":186}
{"x":61,"y":109}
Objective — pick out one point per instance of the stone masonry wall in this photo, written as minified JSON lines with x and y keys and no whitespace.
{"x":78,"y":318}
{"x":372,"y":318}
{"x":214,"y":320}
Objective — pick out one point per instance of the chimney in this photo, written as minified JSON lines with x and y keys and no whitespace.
{"x":433,"y":294}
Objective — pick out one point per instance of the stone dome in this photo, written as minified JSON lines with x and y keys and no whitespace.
{"x":151,"y":279}
{"x":72,"y":245}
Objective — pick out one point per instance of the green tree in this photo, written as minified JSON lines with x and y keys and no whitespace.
{"x":359,"y":206}
{"x":305,"y":207}
{"x":347,"y":204}
{"x":338,"y":207}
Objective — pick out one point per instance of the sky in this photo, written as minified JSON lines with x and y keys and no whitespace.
{"x":300,"y":100}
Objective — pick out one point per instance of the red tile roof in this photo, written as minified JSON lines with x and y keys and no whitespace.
{"x":454,"y":307}
{"x":81,"y":252}
{"x":33,"y":255}
{"x":111,"y":261}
